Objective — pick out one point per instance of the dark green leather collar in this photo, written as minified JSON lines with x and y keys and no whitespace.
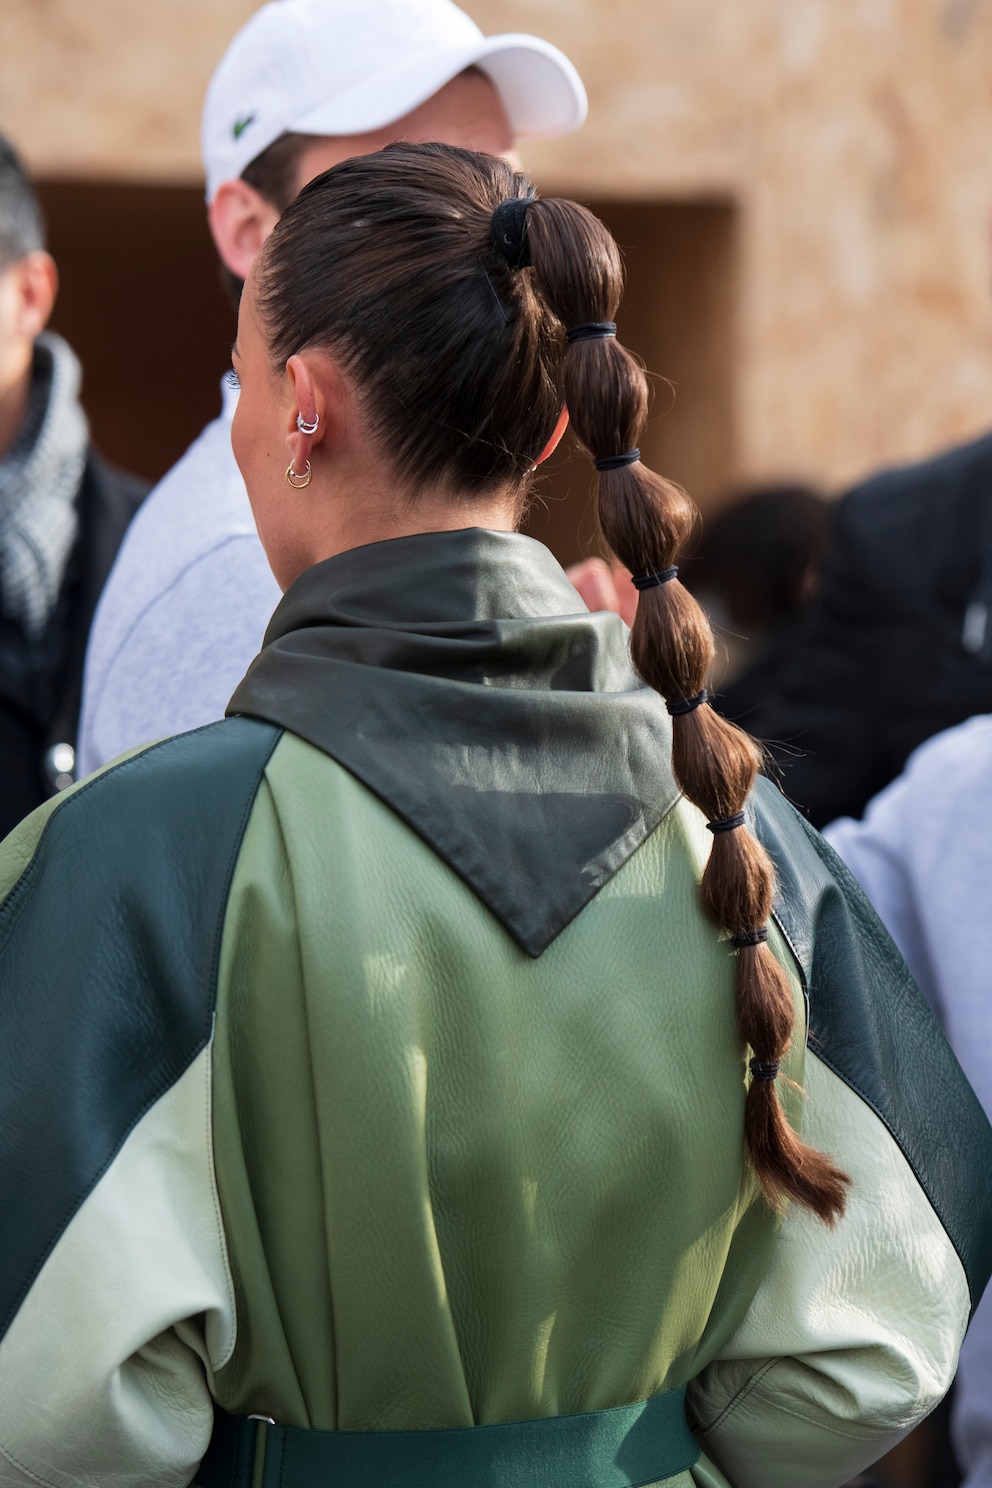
{"x":459,"y":676}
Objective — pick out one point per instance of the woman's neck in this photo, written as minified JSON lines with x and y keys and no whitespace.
{"x":367,"y":517}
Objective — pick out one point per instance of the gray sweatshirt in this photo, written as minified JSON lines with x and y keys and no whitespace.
{"x":184,"y":610}
{"x":923,"y":855}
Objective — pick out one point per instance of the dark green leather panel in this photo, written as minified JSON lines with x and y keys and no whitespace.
{"x":109,"y":947}
{"x":459,"y":677}
{"x":871,"y":1025}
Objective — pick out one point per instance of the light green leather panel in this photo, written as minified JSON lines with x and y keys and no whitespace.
{"x":853,"y":1334}
{"x":461,"y":1185}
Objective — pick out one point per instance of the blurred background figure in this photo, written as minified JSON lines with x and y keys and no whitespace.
{"x":304,"y":85}
{"x":755,"y":567}
{"x":923,"y":855}
{"x":62,"y":515}
{"x":897,"y":645}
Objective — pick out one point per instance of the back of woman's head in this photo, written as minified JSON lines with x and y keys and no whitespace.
{"x":387,"y":260}
{"x":467,"y":312}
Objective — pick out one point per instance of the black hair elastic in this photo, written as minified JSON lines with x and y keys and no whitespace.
{"x":678,"y":706}
{"x":591,"y":330}
{"x":762,"y":1069}
{"x":652,"y":580}
{"x":727,"y":823}
{"x":614,"y":462}
{"x":749,"y":938}
{"x":508,"y":231}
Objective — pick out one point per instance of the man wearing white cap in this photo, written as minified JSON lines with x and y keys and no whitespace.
{"x":305,"y":84}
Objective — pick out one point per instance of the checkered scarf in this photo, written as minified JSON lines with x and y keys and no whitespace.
{"x":39,"y":479}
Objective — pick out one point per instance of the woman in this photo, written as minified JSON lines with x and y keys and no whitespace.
{"x":402,"y":1055}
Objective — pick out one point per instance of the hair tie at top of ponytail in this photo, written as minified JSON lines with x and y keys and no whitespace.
{"x":653,"y":580}
{"x":591,"y":330}
{"x":614,"y":462}
{"x":508,"y":231}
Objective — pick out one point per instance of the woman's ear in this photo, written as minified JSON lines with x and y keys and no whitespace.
{"x":316,"y":416}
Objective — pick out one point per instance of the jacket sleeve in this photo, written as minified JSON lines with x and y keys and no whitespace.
{"x":854,"y":1333}
{"x":116,"y":1302}
{"x":104,"y":1368}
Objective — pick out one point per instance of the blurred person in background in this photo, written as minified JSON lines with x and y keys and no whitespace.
{"x":303,"y":85}
{"x":755,"y":569}
{"x":63,"y":513}
{"x":923,"y":855}
{"x":897,"y":644}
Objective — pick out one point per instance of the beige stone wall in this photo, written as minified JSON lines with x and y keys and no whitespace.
{"x":855,"y":135}
{"x":111,"y":89}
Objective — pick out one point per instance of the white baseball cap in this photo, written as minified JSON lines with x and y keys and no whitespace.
{"x":353,"y":66}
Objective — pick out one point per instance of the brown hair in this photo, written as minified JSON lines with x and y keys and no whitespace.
{"x":274,"y":172}
{"x":463,"y":366}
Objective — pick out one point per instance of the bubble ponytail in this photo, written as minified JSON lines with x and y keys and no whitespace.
{"x":646,"y":520}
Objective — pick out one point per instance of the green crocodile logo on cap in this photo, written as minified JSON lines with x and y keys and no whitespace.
{"x":242,"y":124}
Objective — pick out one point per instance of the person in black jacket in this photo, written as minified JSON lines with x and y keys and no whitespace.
{"x":63,"y":513}
{"x":897,"y":644}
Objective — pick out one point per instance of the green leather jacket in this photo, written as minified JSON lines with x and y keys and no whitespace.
{"x":369,"y":1063}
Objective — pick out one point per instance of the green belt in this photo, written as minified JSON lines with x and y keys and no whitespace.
{"x":624,"y":1447}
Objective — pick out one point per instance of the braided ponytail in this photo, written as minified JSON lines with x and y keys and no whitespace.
{"x":646,"y":520}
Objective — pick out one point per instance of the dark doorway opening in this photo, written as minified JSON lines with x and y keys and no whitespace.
{"x":141,"y":303}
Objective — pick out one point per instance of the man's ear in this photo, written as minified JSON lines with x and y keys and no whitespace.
{"x":38,"y":284}
{"x":240,"y":219}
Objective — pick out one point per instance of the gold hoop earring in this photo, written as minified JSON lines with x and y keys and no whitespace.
{"x":298,"y":481}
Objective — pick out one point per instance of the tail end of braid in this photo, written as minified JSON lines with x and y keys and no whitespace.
{"x":784,"y":1166}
